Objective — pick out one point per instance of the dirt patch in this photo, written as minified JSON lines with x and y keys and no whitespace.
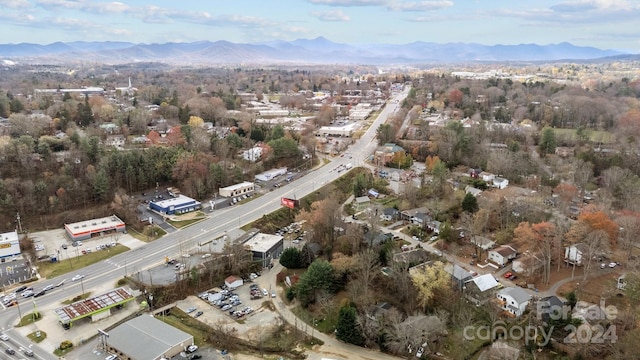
{"x":594,"y":289}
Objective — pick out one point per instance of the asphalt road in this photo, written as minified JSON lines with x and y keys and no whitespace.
{"x":218,"y":223}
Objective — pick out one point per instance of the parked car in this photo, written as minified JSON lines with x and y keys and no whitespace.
{"x":265,"y":292}
{"x":192,"y":348}
{"x":198,"y":314}
{"x":612,"y":265}
{"x":508,"y":275}
{"x":273,"y":294}
{"x":191,"y":309}
{"x":111,"y":357}
{"x":195,"y":356}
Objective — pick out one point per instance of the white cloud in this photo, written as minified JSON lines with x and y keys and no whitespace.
{"x":15,"y":4}
{"x":420,"y":6}
{"x":85,"y":5}
{"x":348,"y":3}
{"x":332,"y":15}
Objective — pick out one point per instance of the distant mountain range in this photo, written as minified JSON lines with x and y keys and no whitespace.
{"x":305,"y":51}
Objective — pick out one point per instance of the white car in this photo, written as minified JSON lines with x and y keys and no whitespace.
{"x":612,"y":265}
{"x":111,"y":357}
{"x":192,"y":348}
{"x":4,"y":337}
{"x":273,"y":294}
{"x":49,"y":287}
{"x":77,"y":277}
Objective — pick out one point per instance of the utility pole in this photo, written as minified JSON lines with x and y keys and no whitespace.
{"x":19,"y":223}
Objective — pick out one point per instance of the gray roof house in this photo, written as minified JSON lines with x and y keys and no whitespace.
{"x":147,"y":338}
{"x":514,"y":300}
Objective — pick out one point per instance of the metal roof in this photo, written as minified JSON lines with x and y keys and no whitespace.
{"x":147,"y":338}
{"x":90,"y":306}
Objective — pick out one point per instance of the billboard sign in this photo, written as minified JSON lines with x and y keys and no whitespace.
{"x":290,"y":203}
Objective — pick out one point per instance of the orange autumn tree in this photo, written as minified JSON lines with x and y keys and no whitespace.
{"x":540,"y":240}
{"x":598,"y":220}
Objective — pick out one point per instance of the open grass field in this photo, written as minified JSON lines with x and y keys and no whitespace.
{"x":596,"y":136}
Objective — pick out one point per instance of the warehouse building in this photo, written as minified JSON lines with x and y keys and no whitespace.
{"x":271,"y":174}
{"x":97,"y":227}
{"x":339,"y":131}
{"x":147,"y":338}
{"x":9,"y":244}
{"x":265,"y":247}
{"x":237,"y":189}
{"x":178,"y":205}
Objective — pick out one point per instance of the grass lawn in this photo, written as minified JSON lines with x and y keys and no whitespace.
{"x":49,"y":269}
{"x":186,"y":323}
{"x":185,"y":223}
{"x":150,"y":233}
{"x":35,"y":338}
{"x":595,"y":136}
{"x":29,"y":318}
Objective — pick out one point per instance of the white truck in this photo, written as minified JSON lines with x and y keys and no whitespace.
{"x":348,"y":166}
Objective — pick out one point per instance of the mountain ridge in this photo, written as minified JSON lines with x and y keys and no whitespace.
{"x":314,"y":51}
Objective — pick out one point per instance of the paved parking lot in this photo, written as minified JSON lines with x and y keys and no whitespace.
{"x":252,"y":326}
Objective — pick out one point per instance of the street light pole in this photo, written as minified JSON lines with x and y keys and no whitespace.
{"x":82,"y":285}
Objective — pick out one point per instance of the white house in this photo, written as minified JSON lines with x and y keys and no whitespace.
{"x":573,"y":254}
{"x":488,"y":177}
{"x":117,"y":141}
{"x":254,"y":154}
{"x":482,"y":242}
{"x":500,"y":183}
{"x":514,"y":300}
{"x":526,"y":265}
{"x":233,"y":282}
{"x":502,"y":255}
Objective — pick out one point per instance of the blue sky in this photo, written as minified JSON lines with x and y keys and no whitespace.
{"x":606,"y":24}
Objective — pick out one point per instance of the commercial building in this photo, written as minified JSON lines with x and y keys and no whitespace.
{"x":147,"y":338}
{"x":237,"y":189}
{"x":178,"y":205}
{"x":9,"y":244}
{"x":342,"y":131}
{"x":96,"y":308}
{"x":265,"y":247}
{"x":271,"y":174}
{"x":97,"y":227}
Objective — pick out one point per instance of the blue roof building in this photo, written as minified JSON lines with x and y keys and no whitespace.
{"x":178,"y":205}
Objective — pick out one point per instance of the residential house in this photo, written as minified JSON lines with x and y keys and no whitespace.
{"x":385,"y":154}
{"x":410,"y":215}
{"x":471,"y":190}
{"x":526,"y":265}
{"x":373,"y":238}
{"x":379,"y":310}
{"x":254,"y":154}
{"x":412,"y":257}
{"x":389,"y":214}
{"x":550,"y":307}
{"x":421,"y":219}
{"x":500,"y":183}
{"x":502,"y":255}
{"x":459,"y":276}
{"x":564,"y":151}
{"x":361,"y":203}
{"x":487,"y":177}
{"x":116,"y":141}
{"x":573,"y":254}
{"x":480,"y":289}
{"x":434,"y":226}
{"x":482,"y":242}
{"x":514,"y":300}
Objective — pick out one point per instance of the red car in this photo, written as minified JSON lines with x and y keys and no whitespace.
{"x":507,"y":275}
